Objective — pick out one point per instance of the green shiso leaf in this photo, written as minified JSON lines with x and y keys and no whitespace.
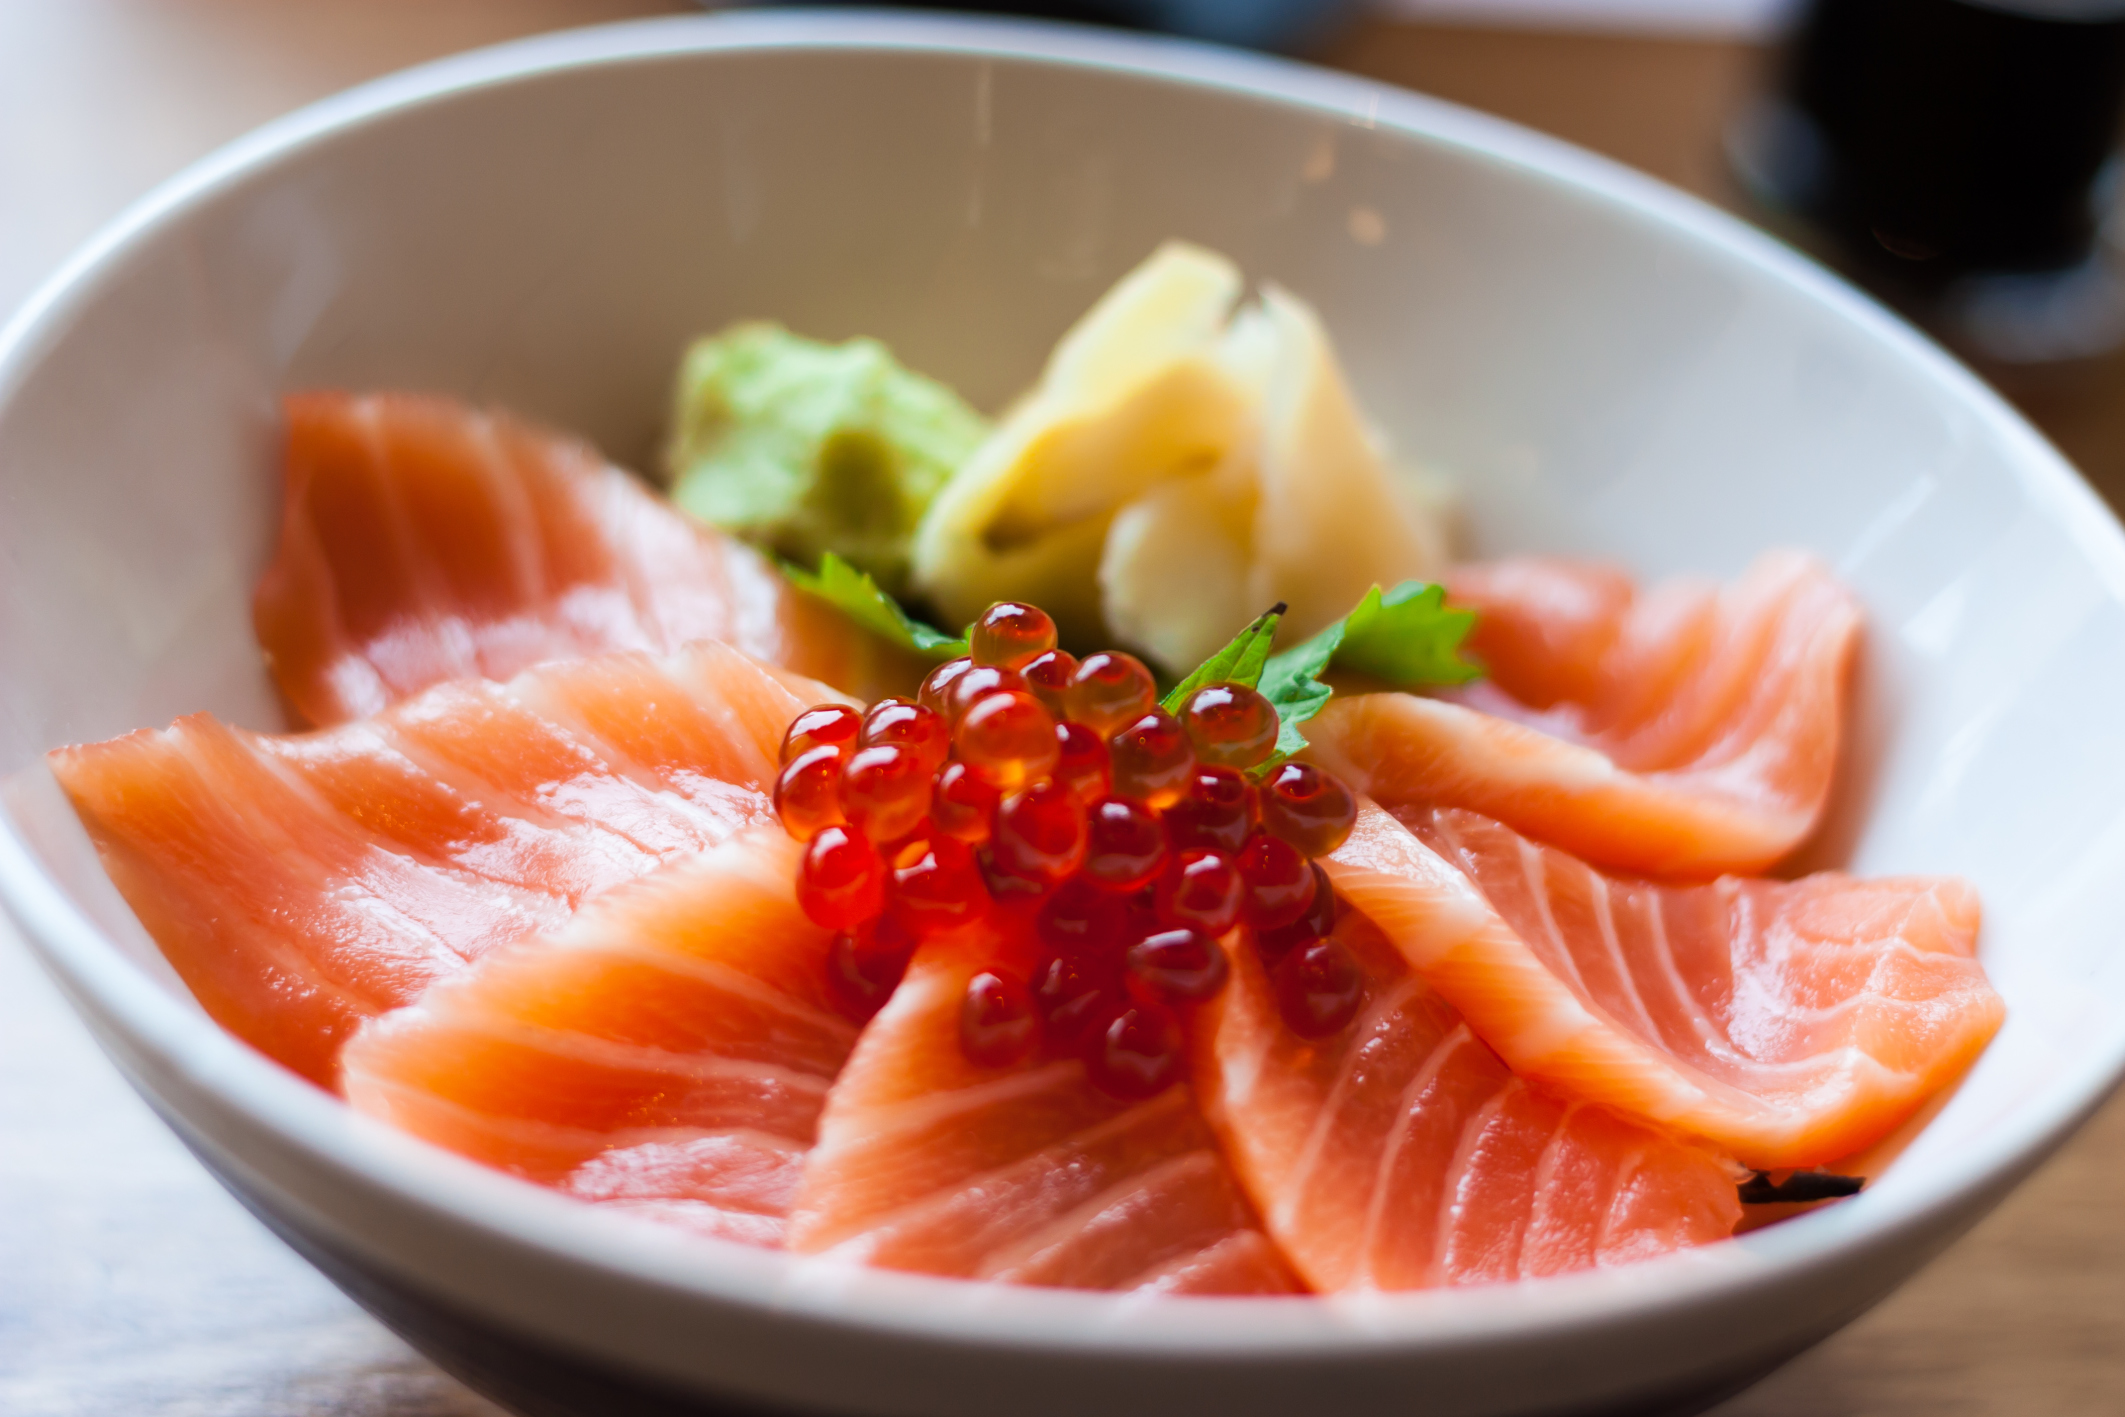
{"x":855,"y":594}
{"x":1240,"y":662}
{"x":1406,"y":637}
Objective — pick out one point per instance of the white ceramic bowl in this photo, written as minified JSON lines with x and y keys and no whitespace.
{"x":1606,"y":366}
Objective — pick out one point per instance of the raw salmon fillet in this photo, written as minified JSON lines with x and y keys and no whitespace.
{"x":1789,"y":1023}
{"x":1029,"y":1175}
{"x":300,"y":884}
{"x":665,"y":1052}
{"x":423,"y":541}
{"x":1404,"y":1154}
{"x":1688,"y":731}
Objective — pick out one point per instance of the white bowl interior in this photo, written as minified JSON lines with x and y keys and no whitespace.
{"x":1604,"y":367}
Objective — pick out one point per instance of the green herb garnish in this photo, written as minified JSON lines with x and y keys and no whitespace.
{"x":1405,"y":637}
{"x":1240,"y":662}
{"x":1408,"y":635}
{"x":856,"y":595}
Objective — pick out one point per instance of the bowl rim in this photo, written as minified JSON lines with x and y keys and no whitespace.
{"x":180,"y":1040}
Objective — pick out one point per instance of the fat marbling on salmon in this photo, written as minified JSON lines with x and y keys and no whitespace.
{"x":664,"y":1053}
{"x":423,"y":540}
{"x":1690,"y":730}
{"x":302,"y":883}
{"x":1789,"y":1023}
{"x":1403,"y":1153}
{"x":930,"y":1162}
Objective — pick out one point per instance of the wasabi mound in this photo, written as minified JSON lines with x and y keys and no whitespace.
{"x":804,"y":447}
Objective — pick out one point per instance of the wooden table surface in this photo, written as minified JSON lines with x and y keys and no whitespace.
{"x":130,"y":1284}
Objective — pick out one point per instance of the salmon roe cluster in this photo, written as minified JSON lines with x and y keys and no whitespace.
{"x":1052,"y":801}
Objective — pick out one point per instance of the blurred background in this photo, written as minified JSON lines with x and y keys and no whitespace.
{"x":1957,"y":157}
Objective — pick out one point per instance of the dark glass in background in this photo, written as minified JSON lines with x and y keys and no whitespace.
{"x":1256,"y":24}
{"x":1958,"y":157}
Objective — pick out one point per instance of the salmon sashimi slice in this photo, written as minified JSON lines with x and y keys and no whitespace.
{"x":1789,"y":1023}
{"x":424,"y":541}
{"x":1027,"y":1174}
{"x":1687,"y":731}
{"x":1404,"y":1154}
{"x":665,"y":1052}
{"x":300,"y":884}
